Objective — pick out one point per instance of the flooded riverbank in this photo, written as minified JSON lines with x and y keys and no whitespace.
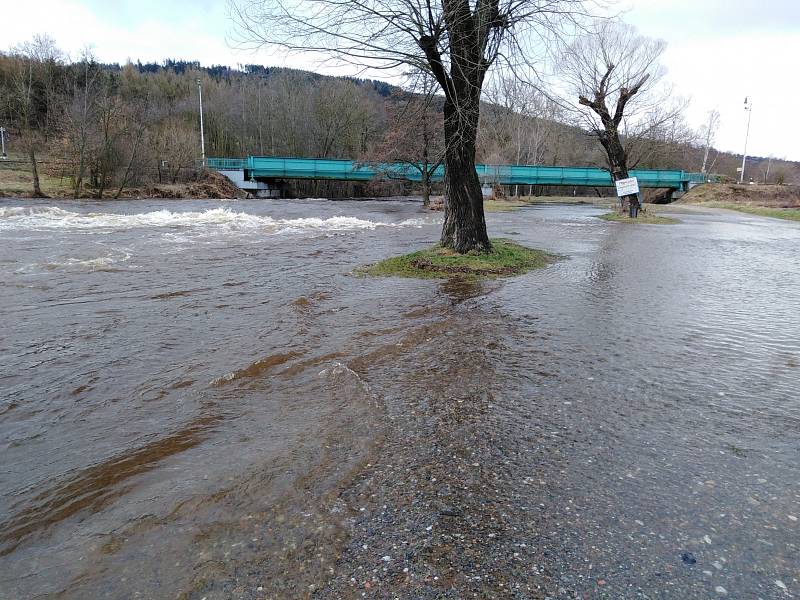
{"x":200,"y":401}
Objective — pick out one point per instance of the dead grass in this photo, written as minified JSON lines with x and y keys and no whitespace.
{"x":775,"y":201}
{"x":560,"y":199}
{"x":788,"y":214}
{"x":769,"y":196}
{"x":643,"y":219}
{"x":16,"y":180}
{"x":504,"y":205}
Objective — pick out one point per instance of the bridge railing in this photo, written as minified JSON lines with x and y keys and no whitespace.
{"x":226,"y":164}
{"x":698,"y":177}
{"x":269,"y":167}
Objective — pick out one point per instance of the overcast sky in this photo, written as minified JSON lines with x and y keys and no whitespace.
{"x":718,"y":52}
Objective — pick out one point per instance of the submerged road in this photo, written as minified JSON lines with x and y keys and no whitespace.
{"x":199,"y":400}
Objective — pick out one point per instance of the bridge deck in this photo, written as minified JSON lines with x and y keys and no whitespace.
{"x":267,"y":167}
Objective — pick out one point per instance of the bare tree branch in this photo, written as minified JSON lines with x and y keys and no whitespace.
{"x":456,"y":41}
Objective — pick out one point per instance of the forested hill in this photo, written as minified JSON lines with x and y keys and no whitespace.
{"x":134,"y":123}
{"x":225,"y":72}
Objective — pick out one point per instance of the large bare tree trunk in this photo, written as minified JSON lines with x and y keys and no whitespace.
{"x":426,"y":187}
{"x":618,"y":164}
{"x":464,"y":227}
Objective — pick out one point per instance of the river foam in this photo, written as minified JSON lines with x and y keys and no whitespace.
{"x":223,"y":219}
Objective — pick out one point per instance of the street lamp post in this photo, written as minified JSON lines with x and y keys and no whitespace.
{"x":749,"y":109}
{"x":202,"y":131}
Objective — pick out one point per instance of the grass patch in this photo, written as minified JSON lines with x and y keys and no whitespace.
{"x":788,"y":214}
{"x":502,"y":205}
{"x":559,"y":199}
{"x":506,"y":259}
{"x":643,"y":219}
{"x":516,"y":202}
{"x":16,"y":180}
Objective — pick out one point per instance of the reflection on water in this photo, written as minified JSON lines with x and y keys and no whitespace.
{"x":459,"y":289}
{"x":97,"y":486}
{"x":189,"y":386}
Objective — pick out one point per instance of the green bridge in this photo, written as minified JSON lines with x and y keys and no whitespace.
{"x":248,"y":172}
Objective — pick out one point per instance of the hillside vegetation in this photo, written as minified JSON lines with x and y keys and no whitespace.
{"x":15,"y":182}
{"x":92,"y":129}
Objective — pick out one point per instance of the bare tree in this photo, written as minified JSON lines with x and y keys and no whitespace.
{"x":517,"y":124}
{"x":34,"y":87}
{"x":708,"y":132}
{"x":780,"y":176}
{"x":340,"y":111}
{"x":25,"y":96}
{"x":175,"y":148}
{"x":80,"y":117}
{"x":664,"y":145}
{"x":135,"y":127}
{"x":765,"y":169}
{"x":456,"y":41}
{"x":614,"y":74}
{"x":292,"y":121}
{"x":414,"y":136}
{"x":137,"y":115}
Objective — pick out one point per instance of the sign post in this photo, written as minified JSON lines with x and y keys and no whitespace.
{"x":629,"y":187}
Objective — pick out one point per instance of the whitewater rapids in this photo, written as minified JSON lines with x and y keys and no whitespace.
{"x":224,"y":220}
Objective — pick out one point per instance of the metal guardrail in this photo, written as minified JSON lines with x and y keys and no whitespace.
{"x":14,"y":164}
{"x":224,"y":164}
{"x":700,"y":177}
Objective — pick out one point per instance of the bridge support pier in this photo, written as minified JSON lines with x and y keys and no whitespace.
{"x":675,"y":195}
{"x":259,"y":189}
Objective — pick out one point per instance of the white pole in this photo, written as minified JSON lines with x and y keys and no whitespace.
{"x":3,"y":142}
{"x":749,"y":110}
{"x":202,"y":132}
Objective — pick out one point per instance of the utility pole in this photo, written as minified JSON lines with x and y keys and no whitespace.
{"x":749,"y":109}
{"x":202,"y":131}
{"x":3,"y":155}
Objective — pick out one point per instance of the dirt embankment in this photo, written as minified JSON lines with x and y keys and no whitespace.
{"x":202,"y":185}
{"x":208,"y":185}
{"x":771,"y":196}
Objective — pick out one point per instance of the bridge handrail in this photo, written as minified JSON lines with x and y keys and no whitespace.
{"x":316,"y":168}
{"x":225,"y":164}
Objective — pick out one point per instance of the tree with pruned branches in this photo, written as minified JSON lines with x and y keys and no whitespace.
{"x":456,"y":41}
{"x":615,"y":76}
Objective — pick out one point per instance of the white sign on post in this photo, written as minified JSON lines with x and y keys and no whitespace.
{"x":627,"y":187}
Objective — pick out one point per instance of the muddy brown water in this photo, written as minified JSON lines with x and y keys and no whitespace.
{"x":190,"y":389}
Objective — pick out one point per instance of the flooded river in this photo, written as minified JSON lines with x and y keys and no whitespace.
{"x":200,"y":400}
